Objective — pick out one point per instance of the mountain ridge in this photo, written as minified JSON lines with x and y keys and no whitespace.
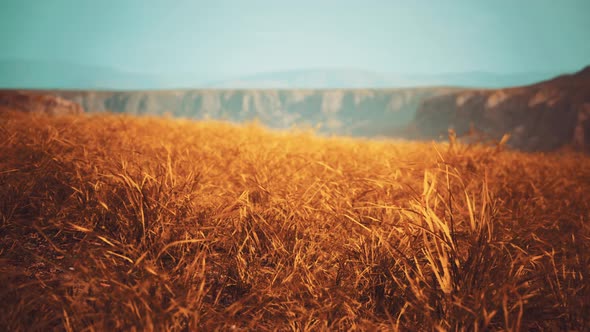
{"x":33,"y":74}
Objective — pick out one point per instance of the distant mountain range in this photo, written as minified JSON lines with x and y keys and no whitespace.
{"x":359,"y":79}
{"x":29,"y":74}
{"x":26,"y":74}
{"x":356,"y":112}
{"x":539,"y":117}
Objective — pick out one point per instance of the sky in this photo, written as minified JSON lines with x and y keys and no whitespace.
{"x":225,"y":38}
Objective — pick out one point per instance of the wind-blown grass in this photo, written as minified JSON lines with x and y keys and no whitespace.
{"x":121,"y":223}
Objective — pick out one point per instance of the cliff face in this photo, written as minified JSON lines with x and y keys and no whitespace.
{"x":27,"y":101}
{"x":539,"y":117}
{"x":370,"y":112}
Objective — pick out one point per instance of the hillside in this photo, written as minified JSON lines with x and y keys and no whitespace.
{"x":361,"y":112}
{"x":30,"y":101}
{"x":539,"y":117}
{"x":114,"y":222}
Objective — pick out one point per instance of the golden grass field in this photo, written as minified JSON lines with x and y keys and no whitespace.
{"x":112,"y":222}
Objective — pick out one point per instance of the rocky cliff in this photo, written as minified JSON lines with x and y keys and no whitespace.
{"x":539,"y":117}
{"x":27,"y":101}
{"x":358,"y":112}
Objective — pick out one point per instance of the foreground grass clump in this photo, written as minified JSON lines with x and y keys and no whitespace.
{"x":119,"y":223}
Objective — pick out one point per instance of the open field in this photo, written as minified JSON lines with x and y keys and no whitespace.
{"x":120,"y":223}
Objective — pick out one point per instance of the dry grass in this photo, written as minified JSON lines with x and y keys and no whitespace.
{"x":121,"y":223}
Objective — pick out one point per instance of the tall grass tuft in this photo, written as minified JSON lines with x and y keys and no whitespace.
{"x":111,"y":222}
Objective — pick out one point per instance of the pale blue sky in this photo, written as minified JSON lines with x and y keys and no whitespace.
{"x":225,"y":38}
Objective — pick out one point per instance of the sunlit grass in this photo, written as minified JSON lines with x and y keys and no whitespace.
{"x":119,"y":223}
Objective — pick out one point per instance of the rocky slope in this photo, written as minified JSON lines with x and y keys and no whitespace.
{"x":27,"y":101}
{"x":539,"y":117}
{"x":369,"y":112}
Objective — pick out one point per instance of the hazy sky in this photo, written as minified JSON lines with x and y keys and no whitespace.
{"x":232,"y":38}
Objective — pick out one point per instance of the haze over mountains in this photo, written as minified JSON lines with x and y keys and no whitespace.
{"x":33,"y":74}
{"x":361,"y":79}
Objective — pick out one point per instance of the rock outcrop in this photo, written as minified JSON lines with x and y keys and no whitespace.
{"x":28,"y":101}
{"x":540,"y":117}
